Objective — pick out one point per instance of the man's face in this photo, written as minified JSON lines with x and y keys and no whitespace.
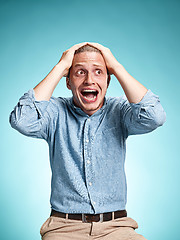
{"x":88,"y":81}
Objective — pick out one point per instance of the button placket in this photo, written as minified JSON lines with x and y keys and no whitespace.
{"x":87,"y":158}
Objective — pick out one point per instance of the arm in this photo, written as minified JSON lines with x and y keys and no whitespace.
{"x":36,"y":109}
{"x":29,"y":116}
{"x":134,"y":90}
{"x":44,"y":90}
{"x":142,"y":112}
{"x":144,"y":116}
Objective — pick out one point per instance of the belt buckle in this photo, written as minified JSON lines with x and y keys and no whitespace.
{"x":85,"y":221}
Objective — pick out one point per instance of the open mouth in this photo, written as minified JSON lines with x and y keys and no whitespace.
{"x":89,"y":95}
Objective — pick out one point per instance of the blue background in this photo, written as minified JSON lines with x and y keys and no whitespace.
{"x":144,"y":36}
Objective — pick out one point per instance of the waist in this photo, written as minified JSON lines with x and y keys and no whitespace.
{"x":102,"y":217}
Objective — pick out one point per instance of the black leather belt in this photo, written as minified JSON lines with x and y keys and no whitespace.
{"x":91,"y":217}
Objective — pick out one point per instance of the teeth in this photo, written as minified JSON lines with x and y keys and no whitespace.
{"x":87,"y":90}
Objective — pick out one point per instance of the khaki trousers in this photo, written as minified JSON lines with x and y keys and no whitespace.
{"x":56,"y":228}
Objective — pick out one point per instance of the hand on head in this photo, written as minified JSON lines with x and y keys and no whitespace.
{"x":68,"y":55}
{"x":110,"y":60}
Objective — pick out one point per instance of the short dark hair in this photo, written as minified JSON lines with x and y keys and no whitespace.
{"x":87,"y":48}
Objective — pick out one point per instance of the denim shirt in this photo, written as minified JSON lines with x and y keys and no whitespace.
{"x":87,"y":153}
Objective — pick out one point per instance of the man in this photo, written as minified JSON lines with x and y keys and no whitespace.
{"x":86,"y":135}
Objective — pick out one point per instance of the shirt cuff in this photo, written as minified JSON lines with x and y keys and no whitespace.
{"x":29,"y":100}
{"x":149,"y":100}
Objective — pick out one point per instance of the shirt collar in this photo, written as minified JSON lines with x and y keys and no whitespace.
{"x":81,"y":112}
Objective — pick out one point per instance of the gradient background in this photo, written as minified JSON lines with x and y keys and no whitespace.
{"x":144,"y":36}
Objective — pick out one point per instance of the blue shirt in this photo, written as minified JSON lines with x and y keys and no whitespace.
{"x":87,"y":153}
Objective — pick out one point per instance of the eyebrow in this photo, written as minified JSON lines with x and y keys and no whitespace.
{"x":82,"y":65}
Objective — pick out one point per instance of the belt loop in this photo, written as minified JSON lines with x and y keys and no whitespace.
{"x":66,"y":215}
{"x":83,"y":218}
{"x":101,"y":217}
{"x":112,"y":215}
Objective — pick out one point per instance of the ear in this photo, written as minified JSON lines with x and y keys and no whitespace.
{"x":108,"y":80}
{"x":68,"y":83}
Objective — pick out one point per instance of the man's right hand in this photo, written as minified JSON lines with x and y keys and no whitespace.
{"x":44,"y":90}
{"x":67,"y":57}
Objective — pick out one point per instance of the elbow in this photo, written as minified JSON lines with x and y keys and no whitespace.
{"x":18,"y":123}
{"x":26,"y":126}
{"x":15,"y":123}
{"x":13,"y":120}
{"x":159,"y":118}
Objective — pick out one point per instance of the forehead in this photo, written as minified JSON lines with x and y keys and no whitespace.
{"x":88,"y":58}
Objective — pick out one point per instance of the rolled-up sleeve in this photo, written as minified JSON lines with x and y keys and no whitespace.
{"x":143,"y":117}
{"x":28,"y":116}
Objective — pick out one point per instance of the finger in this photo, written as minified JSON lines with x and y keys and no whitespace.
{"x":76,"y":46}
{"x":97,"y":45}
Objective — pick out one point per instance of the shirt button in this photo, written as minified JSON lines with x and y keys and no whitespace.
{"x":94,"y":202}
{"x":90,"y":183}
{"x":89,"y":120}
{"x":87,"y":140}
{"x":88,"y":161}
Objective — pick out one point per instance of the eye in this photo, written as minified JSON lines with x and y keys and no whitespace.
{"x":98,"y":71}
{"x":80,"y":72}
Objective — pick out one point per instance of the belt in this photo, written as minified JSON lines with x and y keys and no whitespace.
{"x":91,"y":217}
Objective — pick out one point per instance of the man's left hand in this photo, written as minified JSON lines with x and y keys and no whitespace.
{"x":110,"y":60}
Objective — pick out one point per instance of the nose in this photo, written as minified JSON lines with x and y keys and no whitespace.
{"x":89,"y":79}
